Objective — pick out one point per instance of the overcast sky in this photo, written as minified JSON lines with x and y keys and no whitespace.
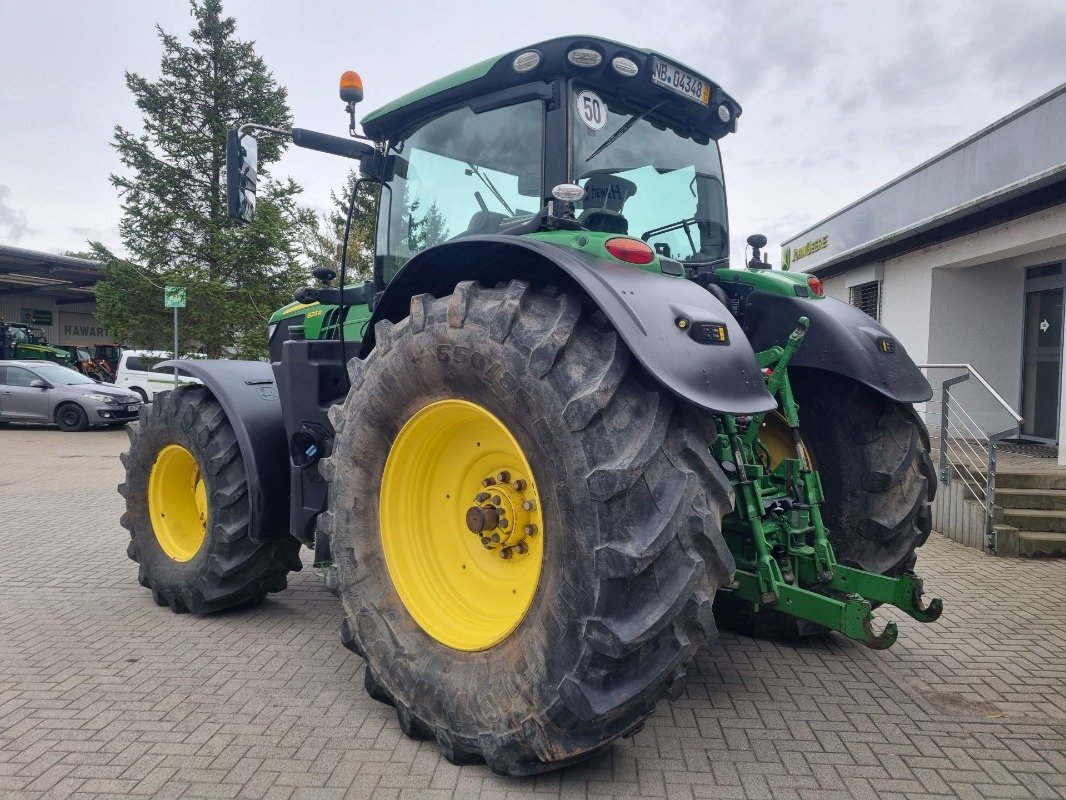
{"x":838,"y":97}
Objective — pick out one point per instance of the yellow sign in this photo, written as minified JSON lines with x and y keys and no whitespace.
{"x":812,"y":246}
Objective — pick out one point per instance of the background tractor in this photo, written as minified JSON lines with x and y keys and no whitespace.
{"x":21,"y":341}
{"x":556,"y":439}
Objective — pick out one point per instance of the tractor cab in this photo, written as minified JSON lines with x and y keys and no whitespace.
{"x":483,"y":152}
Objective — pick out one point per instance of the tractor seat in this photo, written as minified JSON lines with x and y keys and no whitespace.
{"x":484,"y":222}
{"x":604,"y":221}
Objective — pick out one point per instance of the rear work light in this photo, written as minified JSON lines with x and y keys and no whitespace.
{"x":816,"y":286}
{"x":632,"y":251}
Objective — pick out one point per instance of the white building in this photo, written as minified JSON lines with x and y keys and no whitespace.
{"x":964,"y":259}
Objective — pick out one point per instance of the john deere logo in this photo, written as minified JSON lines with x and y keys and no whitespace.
{"x":813,"y":246}
{"x":786,"y":257}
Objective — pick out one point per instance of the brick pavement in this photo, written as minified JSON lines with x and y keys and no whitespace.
{"x":104,"y":694}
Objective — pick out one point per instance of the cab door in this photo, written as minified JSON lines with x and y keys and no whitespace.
{"x":20,"y":401}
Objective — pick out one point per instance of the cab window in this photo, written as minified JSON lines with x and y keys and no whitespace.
{"x":458,"y":175}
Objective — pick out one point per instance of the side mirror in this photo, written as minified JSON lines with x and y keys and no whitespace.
{"x":242,"y":163}
{"x":38,"y":384}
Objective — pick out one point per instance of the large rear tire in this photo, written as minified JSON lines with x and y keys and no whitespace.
{"x":872,"y":454}
{"x":187,"y":509}
{"x":628,"y":558}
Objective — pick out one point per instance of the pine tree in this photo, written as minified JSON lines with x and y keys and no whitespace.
{"x":323,"y":239}
{"x":174,"y":226}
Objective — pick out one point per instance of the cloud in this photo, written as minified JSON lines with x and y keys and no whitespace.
{"x":13,"y":223}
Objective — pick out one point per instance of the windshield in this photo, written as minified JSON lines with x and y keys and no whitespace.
{"x":60,"y":376}
{"x":458,"y":175}
{"x":649,"y":182}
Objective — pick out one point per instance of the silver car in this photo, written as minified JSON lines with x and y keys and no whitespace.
{"x":42,"y":391}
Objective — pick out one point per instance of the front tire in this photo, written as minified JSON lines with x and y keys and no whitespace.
{"x":631,"y":547}
{"x":187,"y":509}
{"x":72,"y":418}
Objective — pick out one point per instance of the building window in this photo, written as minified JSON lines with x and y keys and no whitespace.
{"x":867,"y":298}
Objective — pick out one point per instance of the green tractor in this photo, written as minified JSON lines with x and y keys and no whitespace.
{"x":21,"y":341}
{"x":556,"y":440}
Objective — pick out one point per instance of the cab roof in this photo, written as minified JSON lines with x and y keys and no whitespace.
{"x":499,"y":74}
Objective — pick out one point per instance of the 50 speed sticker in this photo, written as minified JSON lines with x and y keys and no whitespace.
{"x":591,"y":110}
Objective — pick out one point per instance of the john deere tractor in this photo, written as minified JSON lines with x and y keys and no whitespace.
{"x":556,"y":440}
{"x":18,"y":340}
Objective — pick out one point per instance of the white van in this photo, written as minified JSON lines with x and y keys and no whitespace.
{"x":136,"y":372}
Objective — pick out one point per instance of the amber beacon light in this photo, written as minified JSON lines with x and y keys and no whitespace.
{"x":351,"y":87}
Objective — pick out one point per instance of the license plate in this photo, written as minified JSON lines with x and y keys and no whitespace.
{"x":677,"y":80}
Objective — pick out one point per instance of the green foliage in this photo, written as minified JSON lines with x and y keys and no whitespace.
{"x":323,"y":239}
{"x":424,"y":231}
{"x":174,"y":226}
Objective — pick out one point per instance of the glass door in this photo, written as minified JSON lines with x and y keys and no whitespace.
{"x":1042,"y":353}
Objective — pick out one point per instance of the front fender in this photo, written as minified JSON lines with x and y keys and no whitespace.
{"x":841,"y":339}
{"x":642,"y":306}
{"x":247,"y":393}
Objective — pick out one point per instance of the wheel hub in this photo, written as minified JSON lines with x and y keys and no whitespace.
{"x":502,"y":516}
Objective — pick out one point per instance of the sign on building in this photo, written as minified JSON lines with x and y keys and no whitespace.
{"x":84,"y":329}
{"x":36,"y":316}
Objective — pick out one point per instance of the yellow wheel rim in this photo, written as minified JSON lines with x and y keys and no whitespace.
{"x":461,"y":525}
{"x":777,"y":437}
{"x":177,"y":502}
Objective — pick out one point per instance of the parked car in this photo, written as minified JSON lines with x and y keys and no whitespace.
{"x":136,"y":372}
{"x":42,"y":391}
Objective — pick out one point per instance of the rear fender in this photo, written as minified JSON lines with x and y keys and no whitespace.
{"x":841,"y":339}
{"x":247,"y":393}
{"x":644,"y":307}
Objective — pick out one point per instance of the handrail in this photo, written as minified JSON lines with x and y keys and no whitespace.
{"x":961,"y":435}
{"x":970,"y":368}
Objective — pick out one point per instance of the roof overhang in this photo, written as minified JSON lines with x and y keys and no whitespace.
{"x":65,"y":278}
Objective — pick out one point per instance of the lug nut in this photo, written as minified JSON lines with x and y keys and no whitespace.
{"x":519,"y":485}
{"x":506,"y":553}
{"x":530,"y":530}
{"x":496,"y":500}
{"x":489,"y":482}
{"x":503,"y":522}
{"x":528,"y":505}
{"x":496,"y":538}
{"x":481,"y":497}
{"x":504,"y":477}
{"x":522,"y":548}
{"x":486,"y":541}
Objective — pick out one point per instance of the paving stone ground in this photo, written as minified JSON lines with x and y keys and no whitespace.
{"x":105,"y":694}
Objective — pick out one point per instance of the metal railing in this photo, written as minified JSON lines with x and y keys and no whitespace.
{"x":968,"y":449}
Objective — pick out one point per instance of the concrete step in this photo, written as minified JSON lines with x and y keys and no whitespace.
{"x":1041,"y":544}
{"x":1012,"y":543}
{"x":1030,"y":479}
{"x":1041,"y":499}
{"x":1027,"y":519}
